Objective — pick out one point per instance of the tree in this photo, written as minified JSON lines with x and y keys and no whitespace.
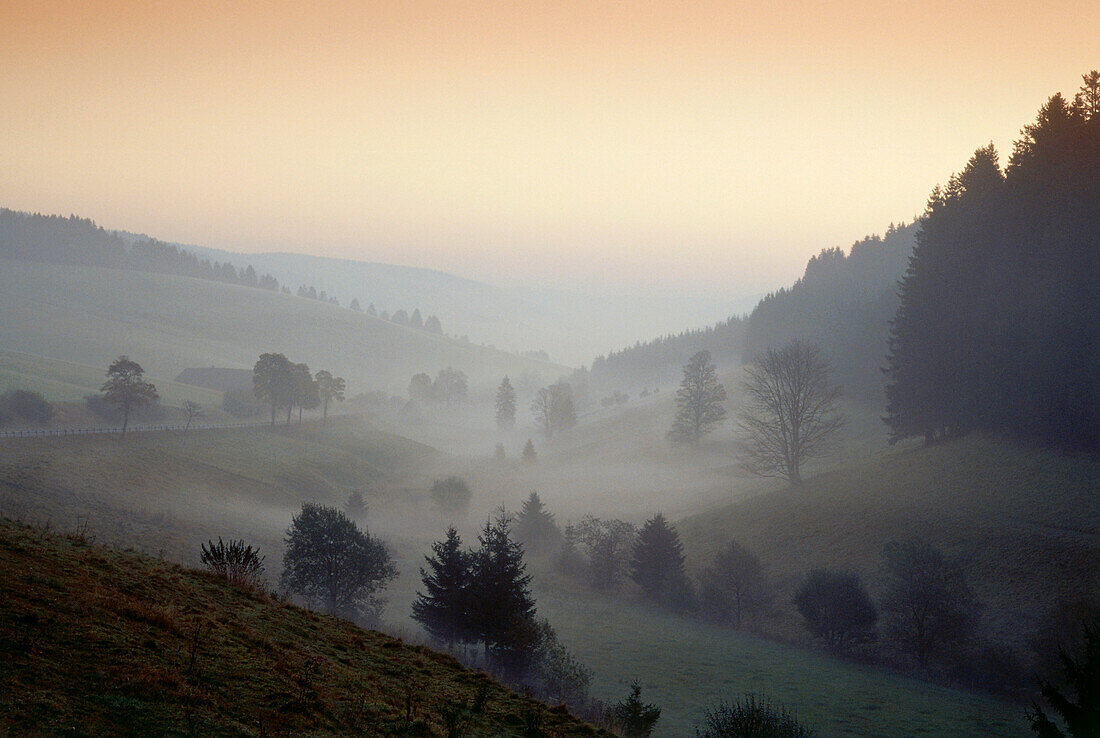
{"x":26,"y":405}
{"x":543,"y":409}
{"x":451,"y":495}
{"x":563,"y":413}
{"x":607,"y":548}
{"x":657,"y":564}
{"x":837,"y":609}
{"x":273,"y":382}
{"x":535,"y":526}
{"x":432,"y":325}
{"x":929,"y":608}
{"x":415,"y":321}
{"x":734,"y":585}
{"x":443,"y":609}
{"x":1081,"y":718}
{"x":564,"y":678}
{"x":503,"y":607}
{"x":420,"y":387}
{"x":304,"y":393}
{"x":355,"y":305}
{"x":698,"y":401}
{"x":329,"y":388}
{"x":636,"y":719}
{"x":127,"y":389}
{"x":400,"y":317}
{"x":529,"y":454}
{"x":506,"y":405}
{"x":450,"y":385}
{"x":194,"y":411}
{"x":328,"y":559}
{"x":790,"y":413}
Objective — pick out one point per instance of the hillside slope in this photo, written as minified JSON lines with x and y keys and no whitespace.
{"x":101,"y":642}
{"x":1024,"y":522}
{"x":167,"y":323}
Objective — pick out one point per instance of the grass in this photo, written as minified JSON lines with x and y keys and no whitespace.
{"x":684,"y":665}
{"x":88,"y":316}
{"x":166,"y":491}
{"x":101,"y":642}
{"x":1024,"y":522}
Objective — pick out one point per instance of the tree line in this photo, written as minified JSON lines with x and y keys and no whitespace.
{"x":997,"y":325}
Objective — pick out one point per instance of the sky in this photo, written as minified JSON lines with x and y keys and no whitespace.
{"x":707,"y":147}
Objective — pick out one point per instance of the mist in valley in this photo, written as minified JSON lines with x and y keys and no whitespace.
{"x":513,"y":391}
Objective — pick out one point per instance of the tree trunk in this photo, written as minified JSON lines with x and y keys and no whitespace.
{"x":125,"y":419}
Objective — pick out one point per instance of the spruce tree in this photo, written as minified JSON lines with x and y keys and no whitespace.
{"x":503,"y":608}
{"x":444,"y":607}
{"x":657,"y":564}
{"x":506,"y":405}
{"x":529,"y":454}
{"x":535,"y":526}
{"x":698,"y":401}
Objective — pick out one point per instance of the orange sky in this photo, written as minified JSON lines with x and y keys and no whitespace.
{"x":714,"y":146}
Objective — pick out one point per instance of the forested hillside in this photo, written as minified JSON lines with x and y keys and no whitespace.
{"x":844,"y":303}
{"x":998,"y":324}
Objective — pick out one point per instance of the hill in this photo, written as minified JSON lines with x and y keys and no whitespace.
{"x":90,"y":315}
{"x":114,"y":643}
{"x":1025,"y":523}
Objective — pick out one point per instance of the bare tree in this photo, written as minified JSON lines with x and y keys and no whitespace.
{"x":543,"y":410}
{"x":194,"y":411}
{"x":790,"y":412}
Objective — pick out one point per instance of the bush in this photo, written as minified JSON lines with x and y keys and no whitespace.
{"x":751,"y":717}
{"x":26,"y":405}
{"x":451,"y":495}
{"x":235,"y":562}
{"x":930,"y":610}
{"x":241,"y":402}
{"x":837,"y":609}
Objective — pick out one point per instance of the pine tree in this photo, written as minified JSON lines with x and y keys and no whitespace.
{"x":657,"y":564}
{"x":529,"y":454}
{"x":698,"y":401}
{"x":503,"y":608}
{"x":444,"y":608}
{"x":535,"y":526}
{"x":506,"y":405}
{"x":636,"y":719}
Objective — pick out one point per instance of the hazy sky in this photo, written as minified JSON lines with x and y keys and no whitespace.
{"x":713,"y":146}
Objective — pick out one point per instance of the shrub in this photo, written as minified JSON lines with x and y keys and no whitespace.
{"x":837,"y":609}
{"x":451,"y":495}
{"x":751,"y":717}
{"x":235,"y":562}
{"x":241,"y":402}
{"x":929,"y":608}
{"x":26,"y":405}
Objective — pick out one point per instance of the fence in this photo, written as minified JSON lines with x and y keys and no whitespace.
{"x":131,"y":429}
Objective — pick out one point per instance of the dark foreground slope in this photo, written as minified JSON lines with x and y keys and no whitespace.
{"x":101,"y":642}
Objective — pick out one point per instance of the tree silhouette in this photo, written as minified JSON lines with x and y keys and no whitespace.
{"x":126,"y":388}
{"x":535,"y":527}
{"x":328,"y":559}
{"x":837,"y":609}
{"x":790,"y":413}
{"x":698,"y":401}
{"x":657,"y":564}
{"x":194,"y":411}
{"x":1081,"y":718}
{"x":444,"y":608}
{"x":506,"y":405}
{"x":273,"y":382}
{"x":329,"y":388}
{"x":734,"y":585}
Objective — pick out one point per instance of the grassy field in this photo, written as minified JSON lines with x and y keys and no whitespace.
{"x":86,"y":317}
{"x":167,"y":491}
{"x":101,"y":642}
{"x":1024,"y":522}
{"x":684,"y":665}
